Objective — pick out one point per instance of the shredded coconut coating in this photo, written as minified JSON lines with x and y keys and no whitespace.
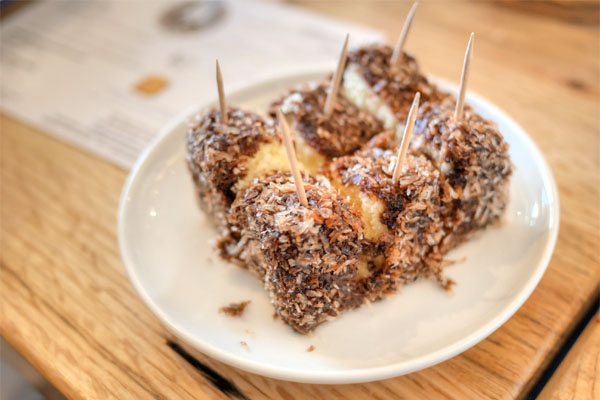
{"x":473,"y":159}
{"x":310,"y":253}
{"x":344,"y":132}
{"x":411,"y":212}
{"x":395,"y":84}
{"x":217,"y":154}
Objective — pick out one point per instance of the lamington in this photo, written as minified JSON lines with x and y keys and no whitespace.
{"x":384,"y":90}
{"x":318,"y":137}
{"x":225,"y":158}
{"x":403,"y":225}
{"x":309,"y":254}
{"x":473,"y":160}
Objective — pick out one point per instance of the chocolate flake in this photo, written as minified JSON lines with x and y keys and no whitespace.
{"x":235,"y":309}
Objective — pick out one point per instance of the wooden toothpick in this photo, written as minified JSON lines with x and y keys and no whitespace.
{"x":397,"y":54}
{"x":336,"y":80}
{"x":408,"y":129}
{"x":460,"y":102}
{"x":291,"y":153}
{"x":222,"y":103}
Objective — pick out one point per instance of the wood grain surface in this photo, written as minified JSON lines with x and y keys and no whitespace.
{"x":66,"y":303}
{"x":578,"y":376}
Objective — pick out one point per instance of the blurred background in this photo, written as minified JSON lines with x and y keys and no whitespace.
{"x":106,"y":75}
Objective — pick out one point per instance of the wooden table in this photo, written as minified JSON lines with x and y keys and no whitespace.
{"x":68,"y":307}
{"x":578,"y":376}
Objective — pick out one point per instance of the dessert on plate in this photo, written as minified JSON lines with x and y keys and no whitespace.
{"x":384,"y":186}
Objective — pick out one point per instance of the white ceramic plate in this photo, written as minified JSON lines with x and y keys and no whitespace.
{"x":167,"y":248}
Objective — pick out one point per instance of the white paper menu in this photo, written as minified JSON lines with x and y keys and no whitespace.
{"x":106,"y":75}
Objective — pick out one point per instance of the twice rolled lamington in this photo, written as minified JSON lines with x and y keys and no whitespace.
{"x":319,"y":137}
{"x":372,"y":84}
{"x":403,"y":225}
{"x":310,"y":253}
{"x":224,"y":158}
{"x":473,"y":160}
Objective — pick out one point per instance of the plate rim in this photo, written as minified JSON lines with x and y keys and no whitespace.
{"x":356,"y":375}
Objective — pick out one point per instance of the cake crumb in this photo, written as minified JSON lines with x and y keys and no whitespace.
{"x":447,"y":284}
{"x":310,"y":348}
{"x":459,"y":261}
{"x":244,"y":344}
{"x":234,"y":309}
